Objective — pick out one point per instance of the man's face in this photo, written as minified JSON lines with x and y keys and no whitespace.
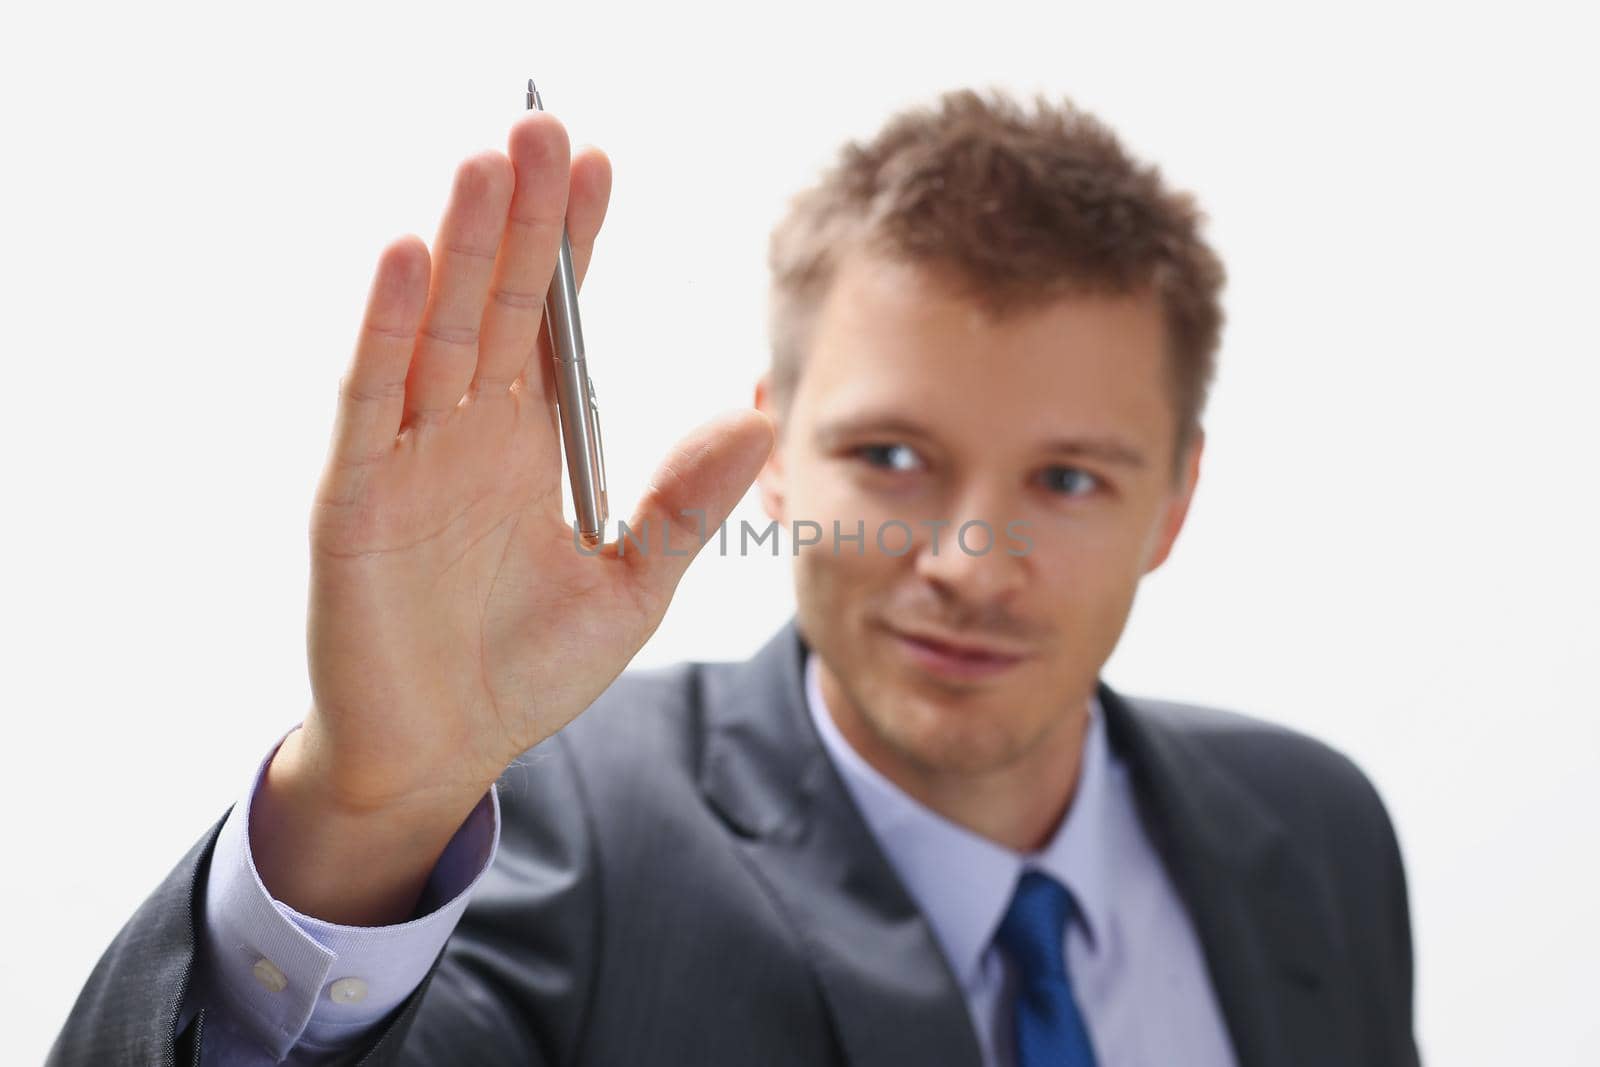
{"x":1054,"y":429}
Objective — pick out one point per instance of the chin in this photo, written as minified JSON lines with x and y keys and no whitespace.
{"x":945,"y":738}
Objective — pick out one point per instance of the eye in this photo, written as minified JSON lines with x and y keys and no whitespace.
{"x":894,"y":457}
{"x":1070,"y":481}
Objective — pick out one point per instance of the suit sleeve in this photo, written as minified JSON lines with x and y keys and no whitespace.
{"x":1372,"y":885}
{"x":275,"y":980}
{"x":507,"y":987}
{"x":1402,"y":1035}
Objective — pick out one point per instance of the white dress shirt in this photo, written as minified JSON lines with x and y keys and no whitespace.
{"x":1136,"y":966}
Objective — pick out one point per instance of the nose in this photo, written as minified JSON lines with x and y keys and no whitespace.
{"x":973,"y":557}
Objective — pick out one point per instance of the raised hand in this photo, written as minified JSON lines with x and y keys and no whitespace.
{"x":453,"y":621}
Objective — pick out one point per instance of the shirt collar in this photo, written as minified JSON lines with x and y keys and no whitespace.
{"x":961,"y":880}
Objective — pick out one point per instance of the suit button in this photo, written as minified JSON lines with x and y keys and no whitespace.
{"x":267,"y":973}
{"x":348,"y":991}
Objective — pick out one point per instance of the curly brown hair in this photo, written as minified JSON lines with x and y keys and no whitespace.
{"x":1012,"y":210}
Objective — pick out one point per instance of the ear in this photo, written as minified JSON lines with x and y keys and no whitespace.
{"x":1177,"y":506}
{"x":771,"y":480}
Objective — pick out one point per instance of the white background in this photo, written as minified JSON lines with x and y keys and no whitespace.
{"x":1391,"y":547}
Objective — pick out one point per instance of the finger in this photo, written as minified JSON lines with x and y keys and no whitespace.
{"x":527,"y":254}
{"x":463,"y":254}
{"x":372,"y":391}
{"x":692,"y":494}
{"x":587,"y":202}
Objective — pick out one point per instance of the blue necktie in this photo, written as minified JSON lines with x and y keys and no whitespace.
{"x":1049,"y":1031}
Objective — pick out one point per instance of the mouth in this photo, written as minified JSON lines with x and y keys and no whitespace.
{"x":956,"y":660}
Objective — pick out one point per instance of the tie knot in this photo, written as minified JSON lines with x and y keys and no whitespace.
{"x":1034,"y":929}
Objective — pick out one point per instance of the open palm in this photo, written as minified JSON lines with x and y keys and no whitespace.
{"x":453,"y":622}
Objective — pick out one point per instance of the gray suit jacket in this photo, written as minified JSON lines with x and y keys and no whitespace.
{"x":684,"y":879}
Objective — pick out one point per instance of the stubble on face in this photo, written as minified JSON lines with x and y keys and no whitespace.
{"x":932,"y":727}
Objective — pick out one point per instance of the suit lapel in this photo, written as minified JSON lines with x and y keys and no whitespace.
{"x":1262,"y":918}
{"x":890,"y":991}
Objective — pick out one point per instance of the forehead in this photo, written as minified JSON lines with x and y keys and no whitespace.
{"x":891,"y":336}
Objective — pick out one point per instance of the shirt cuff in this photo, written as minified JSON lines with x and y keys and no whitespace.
{"x":292,"y":979}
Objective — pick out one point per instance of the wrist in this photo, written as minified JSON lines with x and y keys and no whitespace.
{"x":341,"y":859}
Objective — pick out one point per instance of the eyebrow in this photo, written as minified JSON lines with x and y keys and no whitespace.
{"x":1103,"y":448}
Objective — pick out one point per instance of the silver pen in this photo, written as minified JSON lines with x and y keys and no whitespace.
{"x":580,"y":413}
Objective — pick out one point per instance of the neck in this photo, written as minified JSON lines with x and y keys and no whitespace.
{"x":1018,"y":805}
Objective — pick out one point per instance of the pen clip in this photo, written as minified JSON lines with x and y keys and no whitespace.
{"x":599,"y":450}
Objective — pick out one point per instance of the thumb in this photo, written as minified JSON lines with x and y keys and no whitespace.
{"x":691,"y":495}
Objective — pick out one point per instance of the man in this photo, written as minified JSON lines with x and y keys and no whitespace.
{"x":915,"y":828}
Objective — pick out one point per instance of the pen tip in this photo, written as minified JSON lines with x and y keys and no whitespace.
{"x":531,"y":88}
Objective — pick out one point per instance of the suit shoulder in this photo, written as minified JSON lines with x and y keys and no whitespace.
{"x":1338,"y":825}
{"x":1290,"y":770}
